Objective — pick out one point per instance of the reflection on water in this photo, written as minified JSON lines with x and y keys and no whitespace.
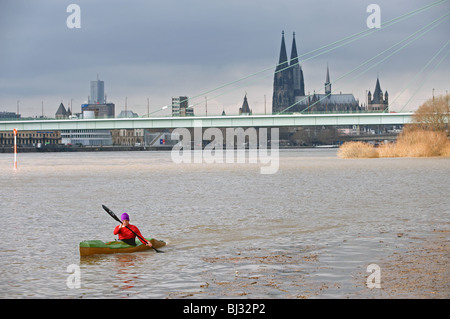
{"x":319,"y":219}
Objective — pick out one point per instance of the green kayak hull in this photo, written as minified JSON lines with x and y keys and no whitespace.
{"x":97,"y":247}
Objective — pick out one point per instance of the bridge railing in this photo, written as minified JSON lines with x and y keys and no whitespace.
{"x":209,"y":115}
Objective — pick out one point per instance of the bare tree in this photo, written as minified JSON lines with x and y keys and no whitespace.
{"x":433,"y":115}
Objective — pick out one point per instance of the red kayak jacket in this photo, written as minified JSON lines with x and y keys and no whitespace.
{"x":125,"y":233}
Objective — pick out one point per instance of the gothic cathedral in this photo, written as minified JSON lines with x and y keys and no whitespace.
{"x":289,"y":90}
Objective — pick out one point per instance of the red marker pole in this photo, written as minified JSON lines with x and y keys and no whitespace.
{"x":15,"y":149}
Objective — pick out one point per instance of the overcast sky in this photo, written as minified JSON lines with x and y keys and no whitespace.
{"x":157,"y":49}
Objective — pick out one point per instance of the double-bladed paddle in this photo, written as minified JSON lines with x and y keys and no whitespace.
{"x":111,"y":213}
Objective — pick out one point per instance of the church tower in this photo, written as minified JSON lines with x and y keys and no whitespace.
{"x":328,"y":83}
{"x":297,"y":72}
{"x":245,"y":109}
{"x":377,"y":102}
{"x":283,"y":87}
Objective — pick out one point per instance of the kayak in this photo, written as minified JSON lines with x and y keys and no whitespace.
{"x":96,"y":247}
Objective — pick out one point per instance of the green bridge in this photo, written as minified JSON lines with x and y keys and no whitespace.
{"x":283,"y":120}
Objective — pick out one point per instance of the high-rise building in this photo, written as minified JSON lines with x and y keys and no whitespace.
{"x":97,"y":106}
{"x":97,"y":92}
{"x":180,"y":106}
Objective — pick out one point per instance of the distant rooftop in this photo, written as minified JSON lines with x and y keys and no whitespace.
{"x":127,"y":115}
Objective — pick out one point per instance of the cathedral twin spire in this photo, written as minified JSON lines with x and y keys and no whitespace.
{"x":288,"y":80}
{"x":283,"y":61}
{"x":294,"y":64}
{"x":289,"y":89}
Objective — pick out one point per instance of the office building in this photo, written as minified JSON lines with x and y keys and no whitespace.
{"x":97,"y":92}
{"x":180,"y":106}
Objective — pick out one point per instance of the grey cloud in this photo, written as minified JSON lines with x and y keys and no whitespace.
{"x":160,"y":49}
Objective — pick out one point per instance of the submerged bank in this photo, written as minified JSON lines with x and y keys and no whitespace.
{"x":418,"y":272}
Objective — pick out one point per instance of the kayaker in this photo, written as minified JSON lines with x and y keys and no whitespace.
{"x":126,"y":235}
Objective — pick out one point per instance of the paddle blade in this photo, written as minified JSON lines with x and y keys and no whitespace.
{"x":111,"y":213}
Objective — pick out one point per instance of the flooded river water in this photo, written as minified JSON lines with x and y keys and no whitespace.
{"x":309,"y":230}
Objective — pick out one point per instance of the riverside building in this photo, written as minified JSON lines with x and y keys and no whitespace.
{"x":86,"y":137}
{"x":31,"y":138}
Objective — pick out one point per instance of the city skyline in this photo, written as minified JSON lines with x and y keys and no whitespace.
{"x":159,"y":50}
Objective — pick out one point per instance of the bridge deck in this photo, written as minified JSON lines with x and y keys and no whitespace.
{"x":211,"y":121}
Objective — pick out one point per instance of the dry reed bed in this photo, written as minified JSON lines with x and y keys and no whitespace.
{"x":410,"y":143}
